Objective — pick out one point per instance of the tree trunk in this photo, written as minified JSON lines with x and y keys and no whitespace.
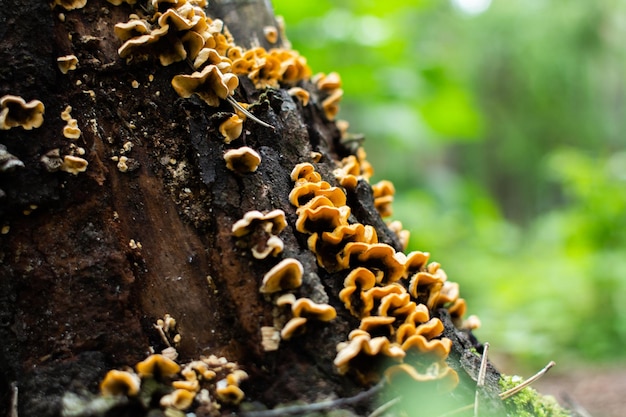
{"x":91,"y":260}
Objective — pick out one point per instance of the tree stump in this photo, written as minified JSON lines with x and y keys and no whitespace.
{"x":91,"y":256}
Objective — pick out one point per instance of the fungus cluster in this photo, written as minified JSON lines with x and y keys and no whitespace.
{"x":391,"y":293}
{"x":259,"y":232}
{"x":15,"y":111}
{"x":160,"y":381}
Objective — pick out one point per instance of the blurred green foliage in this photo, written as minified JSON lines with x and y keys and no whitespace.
{"x":503,"y":133}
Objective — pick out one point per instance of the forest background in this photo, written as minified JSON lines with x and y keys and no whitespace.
{"x":502,"y":128}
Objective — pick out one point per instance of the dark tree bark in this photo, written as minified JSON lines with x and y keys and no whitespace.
{"x":88,"y":262}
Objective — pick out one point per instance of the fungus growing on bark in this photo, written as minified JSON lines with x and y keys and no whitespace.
{"x":322,"y":219}
{"x":302,"y":310}
{"x":120,"y":383}
{"x":270,"y":338}
{"x":209,"y":84}
{"x":383,"y":192}
{"x":70,"y":4}
{"x":378,"y":257}
{"x":357,"y":281}
{"x":73,"y":164}
{"x":272,"y":222}
{"x":300,"y":93}
{"x":360,"y":343}
{"x":304,"y":192}
{"x":71,"y":129}
{"x":131,"y":29}
{"x":230,"y":394}
{"x":271,"y":34}
{"x":15,"y":111}
{"x":330,"y":104}
{"x":438,"y":372}
{"x":157,"y":366}
{"x":286,"y":275}
{"x":305,"y":172}
{"x":67,"y":63}
{"x":258,"y":231}
{"x":329,"y":82}
{"x":118,"y":2}
{"x":273,"y":246}
{"x":231,"y":128}
{"x":243,"y":160}
{"x":180,"y":399}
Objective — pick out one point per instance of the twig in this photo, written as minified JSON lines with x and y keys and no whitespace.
{"x":386,"y":406}
{"x":481,"y":378}
{"x":162,"y":334}
{"x":239,"y":107}
{"x":323,"y":405}
{"x":508,"y":393}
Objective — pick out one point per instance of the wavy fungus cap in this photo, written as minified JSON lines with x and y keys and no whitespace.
{"x":15,"y":111}
{"x":120,"y":383}
{"x":286,"y":275}
{"x":243,"y":160}
{"x":209,"y":84}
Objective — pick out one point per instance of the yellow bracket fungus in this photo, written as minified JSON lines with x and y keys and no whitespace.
{"x":15,"y":111}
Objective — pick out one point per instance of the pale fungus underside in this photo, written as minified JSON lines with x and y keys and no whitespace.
{"x":215,"y":184}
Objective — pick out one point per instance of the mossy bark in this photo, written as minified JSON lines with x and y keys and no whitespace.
{"x":77,"y":296}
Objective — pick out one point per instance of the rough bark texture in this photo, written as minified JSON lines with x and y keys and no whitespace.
{"x":75,"y":298}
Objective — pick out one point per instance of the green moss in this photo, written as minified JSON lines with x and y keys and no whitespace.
{"x":529,"y":403}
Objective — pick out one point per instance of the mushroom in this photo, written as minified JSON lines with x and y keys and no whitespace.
{"x":70,"y":4}
{"x":305,"y":172}
{"x":383,"y":192}
{"x":329,"y":82}
{"x":188,"y":385}
{"x":180,"y":399}
{"x":73,"y":164}
{"x":273,"y":246}
{"x":230,"y":394}
{"x":303,"y":309}
{"x":243,"y":160}
{"x":438,"y":347}
{"x":304,"y":192}
{"x":358,"y":280}
{"x":439,"y":372}
{"x":271,"y":34}
{"x":157,"y":365}
{"x":378,"y":257}
{"x":67,"y":63}
{"x":328,"y":245}
{"x":272,"y":222}
{"x":322,"y":219}
{"x":231,"y":128}
{"x":118,"y":2}
{"x":301,"y":94}
{"x":425,"y":288}
{"x":361,"y":343}
{"x":71,"y":129}
{"x":291,"y":328}
{"x":15,"y":111}
{"x":131,"y":29}
{"x":209,"y":84}
{"x":286,"y":275}
{"x":120,"y":383}
{"x":330,"y":104}
{"x":270,"y":338}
